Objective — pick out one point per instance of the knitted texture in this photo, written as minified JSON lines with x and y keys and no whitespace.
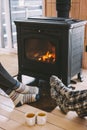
{"x":21,"y":99}
{"x":67,"y":99}
{"x":24,"y":89}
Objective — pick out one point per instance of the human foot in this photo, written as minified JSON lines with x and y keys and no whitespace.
{"x":20,"y":99}
{"x":24,"y":89}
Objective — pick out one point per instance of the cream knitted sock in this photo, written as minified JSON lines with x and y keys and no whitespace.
{"x":21,"y":99}
{"x":24,"y":89}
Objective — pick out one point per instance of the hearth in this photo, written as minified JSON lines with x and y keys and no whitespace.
{"x":50,"y":46}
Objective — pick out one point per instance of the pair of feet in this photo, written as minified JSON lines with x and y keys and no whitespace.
{"x":24,"y":94}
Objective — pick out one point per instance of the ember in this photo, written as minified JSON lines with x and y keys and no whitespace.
{"x":48,"y":57}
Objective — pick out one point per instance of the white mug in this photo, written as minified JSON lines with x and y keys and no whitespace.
{"x":30,"y":118}
{"x":41,"y":118}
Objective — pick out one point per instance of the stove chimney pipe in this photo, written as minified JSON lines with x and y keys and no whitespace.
{"x":63,"y":8}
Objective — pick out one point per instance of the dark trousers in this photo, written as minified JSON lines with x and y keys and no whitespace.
{"x":7,"y":82}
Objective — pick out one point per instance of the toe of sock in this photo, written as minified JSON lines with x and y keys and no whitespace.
{"x":36,"y":90}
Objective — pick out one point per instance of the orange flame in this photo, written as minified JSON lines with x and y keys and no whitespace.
{"x":49,"y":57}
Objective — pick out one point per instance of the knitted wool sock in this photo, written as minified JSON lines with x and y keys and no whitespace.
{"x":24,"y":89}
{"x":59,"y":93}
{"x":20,"y":99}
{"x":56,"y":83}
{"x":68,"y":100}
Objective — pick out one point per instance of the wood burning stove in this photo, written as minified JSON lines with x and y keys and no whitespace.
{"x":50,"y":46}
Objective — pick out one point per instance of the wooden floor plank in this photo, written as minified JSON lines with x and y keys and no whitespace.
{"x":16,"y":126}
{"x":70,"y":119}
{"x":65,"y":124}
{"x":17,"y":115}
{"x":12,"y":118}
{"x":13,"y":125}
{"x":72,"y":116}
{"x":18,"y":123}
{"x":6,"y":101}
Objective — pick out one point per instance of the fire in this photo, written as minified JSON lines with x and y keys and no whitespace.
{"x":48,"y":57}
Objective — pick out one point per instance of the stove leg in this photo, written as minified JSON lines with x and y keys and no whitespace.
{"x":19,"y":77}
{"x":80,"y":77}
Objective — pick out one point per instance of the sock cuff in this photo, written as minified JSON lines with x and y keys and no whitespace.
{"x":16,"y":85}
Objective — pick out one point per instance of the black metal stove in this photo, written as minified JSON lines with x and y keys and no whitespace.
{"x":50,"y":46}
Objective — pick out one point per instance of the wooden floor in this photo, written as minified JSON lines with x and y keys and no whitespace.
{"x":13,"y":118}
